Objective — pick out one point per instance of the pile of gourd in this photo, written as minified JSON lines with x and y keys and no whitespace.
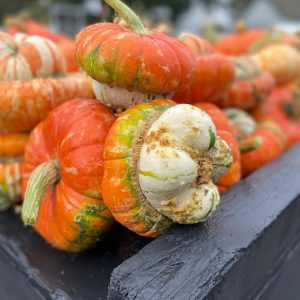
{"x":155,"y":148}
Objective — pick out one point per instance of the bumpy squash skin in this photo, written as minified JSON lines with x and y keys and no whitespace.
{"x":72,"y":215}
{"x":227,"y":132}
{"x":118,"y":191}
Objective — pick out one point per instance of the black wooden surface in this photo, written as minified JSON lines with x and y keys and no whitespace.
{"x":250,"y":249}
{"x":31,"y":269}
{"x":233,"y":255}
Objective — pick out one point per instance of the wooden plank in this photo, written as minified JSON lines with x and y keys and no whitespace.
{"x":31,"y":269}
{"x":232,"y":255}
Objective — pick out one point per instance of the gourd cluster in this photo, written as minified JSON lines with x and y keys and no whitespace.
{"x":149,"y":131}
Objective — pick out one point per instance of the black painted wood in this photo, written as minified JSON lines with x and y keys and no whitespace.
{"x":31,"y":269}
{"x":234,"y":255}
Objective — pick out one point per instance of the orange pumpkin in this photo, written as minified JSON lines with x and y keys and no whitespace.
{"x":283,"y":107}
{"x":213,"y":72}
{"x":132,"y":64}
{"x":228,"y":133}
{"x":265,"y":144}
{"x":62,"y":175}
{"x":259,"y":143}
{"x":24,"y":103}
{"x":240,"y":41}
{"x":10,"y":181}
{"x":246,"y":93}
{"x":26,"y":57}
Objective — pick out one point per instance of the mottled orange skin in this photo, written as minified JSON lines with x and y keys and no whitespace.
{"x":213,"y":72}
{"x":273,"y":109}
{"x":150,"y":63}
{"x":67,"y":48}
{"x":13,"y":144}
{"x":227,"y":132}
{"x":119,"y":193}
{"x":10,"y":178}
{"x":24,"y":103}
{"x":240,"y":41}
{"x":273,"y":145}
{"x":74,"y":134}
{"x":246,"y":94}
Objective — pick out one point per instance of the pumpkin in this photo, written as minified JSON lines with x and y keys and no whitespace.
{"x":13,"y":144}
{"x":23,"y":23}
{"x":283,"y":107}
{"x":227,"y":131}
{"x":281,"y":60}
{"x":24,"y":103}
{"x":240,"y":41}
{"x":62,"y":175}
{"x":250,"y":87}
{"x":160,"y":163}
{"x":26,"y":57}
{"x":213,"y":72}
{"x":259,"y":143}
{"x":132,"y":65}
{"x":10,"y":181}
{"x":242,"y":120}
{"x":265,"y":144}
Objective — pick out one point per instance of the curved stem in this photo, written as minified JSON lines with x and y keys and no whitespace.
{"x":132,"y":20}
{"x":250,"y":144}
{"x":41,"y":178}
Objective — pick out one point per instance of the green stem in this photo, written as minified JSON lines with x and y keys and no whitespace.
{"x":251,"y":144}
{"x":132,"y":20}
{"x":292,"y":108}
{"x":41,"y":178}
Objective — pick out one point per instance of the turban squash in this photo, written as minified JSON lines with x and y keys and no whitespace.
{"x":161,"y":160}
{"x":132,"y":64}
{"x":62,"y":175}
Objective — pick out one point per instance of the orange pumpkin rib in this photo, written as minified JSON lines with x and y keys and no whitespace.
{"x":27,"y":57}
{"x":72,"y":215}
{"x":13,"y":144}
{"x":25,"y":103}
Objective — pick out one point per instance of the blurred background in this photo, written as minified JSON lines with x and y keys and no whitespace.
{"x":197,"y":16}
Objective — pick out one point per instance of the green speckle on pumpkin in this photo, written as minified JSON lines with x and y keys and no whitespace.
{"x":84,"y":220}
{"x":212,"y":138}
